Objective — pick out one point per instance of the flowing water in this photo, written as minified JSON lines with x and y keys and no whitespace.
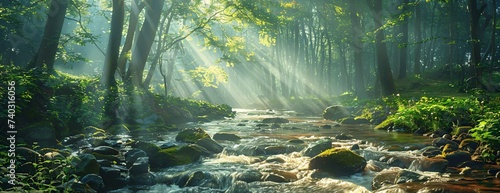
{"x":218,"y":173}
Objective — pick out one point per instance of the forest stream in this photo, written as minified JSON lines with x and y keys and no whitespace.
{"x":270,"y":158}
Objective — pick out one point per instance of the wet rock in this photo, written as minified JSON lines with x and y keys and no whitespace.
{"x":261,"y":125}
{"x":430,"y":151}
{"x":104,"y":163}
{"x":132,"y":155}
{"x":396,"y":176}
{"x":106,"y":150}
{"x":140,"y":166}
{"x":376,"y":166}
{"x":168,"y":145}
{"x":145,"y":179}
{"x":497,"y":175}
{"x":191,"y":135}
{"x":295,"y":141}
{"x":94,"y":181}
{"x":354,"y":121}
{"x":248,"y":176}
{"x":396,"y":162}
{"x":238,"y":187}
{"x":275,"y":120}
{"x":317,"y":147}
{"x":419,"y":131}
{"x":273,"y":178}
{"x":405,"y":176}
{"x":211,"y":145}
{"x":249,"y":150}
{"x":241,"y":125}
{"x":458,"y":157}
{"x":203,"y":151}
{"x":108,"y":173}
{"x":355,"y":147}
{"x":326,"y":126}
{"x":475,"y":165}
{"x":279,"y":149}
{"x":339,"y":162}
{"x":149,"y":148}
{"x":195,"y":179}
{"x":438,"y":142}
{"x":73,"y":139}
{"x":469,"y":145}
{"x":449,"y":148}
{"x":112,"y":178}
{"x":429,"y":164}
{"x":275,"y":126}
{"x":175,"y":156}
{"x":226,"y":137}
{"x":288,"y":176}
{"x":336,"y":112}
{"x":343,"y":136}
{"x":85,"y":164}
{"x":447,"y":136}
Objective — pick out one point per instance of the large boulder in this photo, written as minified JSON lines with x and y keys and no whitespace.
{"x":226,"y":137}
{"x":175,"y":156}
{"x":317,"y":147}
{"x":336,"y":112}
{"x":210,"y":145}
{"x":191,"y":135}
{"x":85,"y":164}
{"x":338,"y":161}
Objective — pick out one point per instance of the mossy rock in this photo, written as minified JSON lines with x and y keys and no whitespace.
{"x":385,"y":125}
{"x":338,"y":161}
{"x":85,"y":164}
{"x":191,"y":135}
{"x":175,"y":156}
{"x":336,"y":112}
{"x":149,"y":148}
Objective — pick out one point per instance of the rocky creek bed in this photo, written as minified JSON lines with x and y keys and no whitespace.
{"x":273,"y":151}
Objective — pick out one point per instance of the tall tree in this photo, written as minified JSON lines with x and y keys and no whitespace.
{"x":46,"y":53}
{"x":475,"y":13}
{"x":113,"y":50}
{"x":418,"y":38}
{"x":144,"y":41}
{"x":111,"y":62}
{"x":384,"y":72}
{"x":359,"y":83}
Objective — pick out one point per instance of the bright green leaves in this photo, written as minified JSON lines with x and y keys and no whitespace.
{"x":210,"y":76}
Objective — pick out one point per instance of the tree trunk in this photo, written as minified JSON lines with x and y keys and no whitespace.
{"x":493,"y":45}
{"x":357,"y":32}
{"x":475,"y":13}
{"x":134,"y":19}
{"x":111,"y":59}
{"x":111,"y":100}
{"x":145,"y":41}
{"x":383,"y":66}
{"x":48,"y":47}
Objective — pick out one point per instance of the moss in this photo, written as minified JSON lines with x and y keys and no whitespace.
{"x":171,"y":157}
{"x":191,"y":135}
{"x":149,"y":148}
{"x":338,"y":161}
{"x":385,"y":125}
{"x":348,"y":157}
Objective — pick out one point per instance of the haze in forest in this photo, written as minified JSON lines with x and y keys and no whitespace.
{"x":250,"y":53}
